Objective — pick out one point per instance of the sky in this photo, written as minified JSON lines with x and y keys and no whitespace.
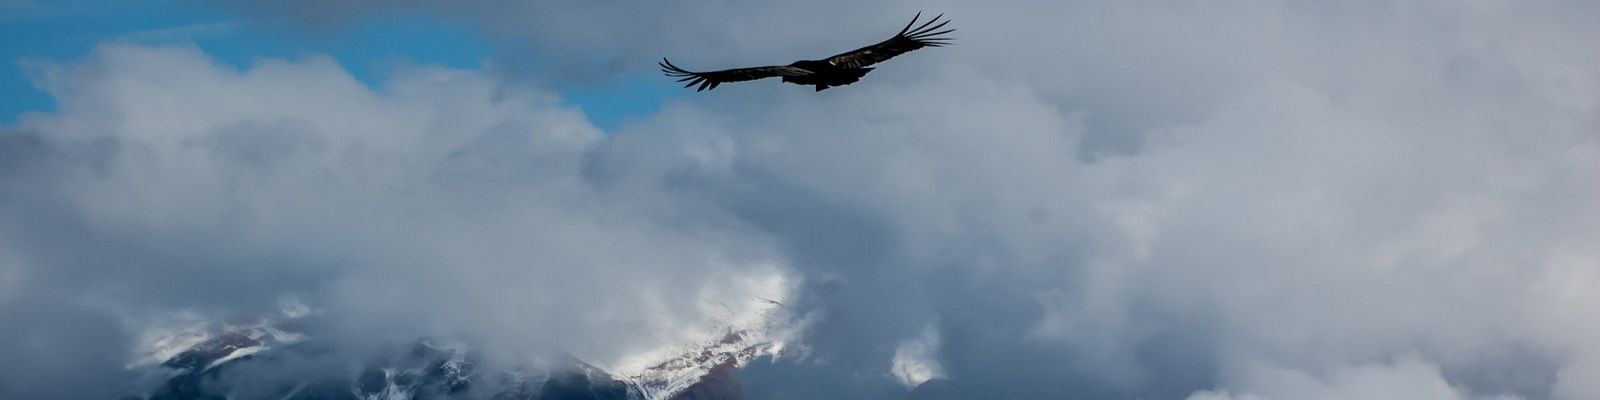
{"x":370,"y":47}
{"x":1204,"y":200}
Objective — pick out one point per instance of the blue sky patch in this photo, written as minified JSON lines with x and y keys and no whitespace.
{"x":370,"y":48}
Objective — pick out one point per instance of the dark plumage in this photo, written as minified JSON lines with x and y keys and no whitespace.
{"x":839,"y":70}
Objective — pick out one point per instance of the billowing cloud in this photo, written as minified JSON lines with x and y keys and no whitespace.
{"x":1123,"y":199}
{"x":438,"y":206}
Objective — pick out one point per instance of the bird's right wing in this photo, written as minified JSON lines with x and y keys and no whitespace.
{"x":925,"y":35}
{"x":710,"y":79}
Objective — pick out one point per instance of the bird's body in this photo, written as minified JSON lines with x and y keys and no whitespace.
{"x":839,"y":70}
{"x":824,"y":75}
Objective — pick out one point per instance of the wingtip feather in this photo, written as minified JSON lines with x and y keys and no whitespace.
{"x":909,"y":24}
{"x":925,"y":24}
{"x":924,"y":32}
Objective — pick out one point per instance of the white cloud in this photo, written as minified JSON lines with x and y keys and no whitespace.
{"x":1121,"y":199}
{"x":915,"y":360}
{"x":438,"y":205}
{"x":1404,"y":378}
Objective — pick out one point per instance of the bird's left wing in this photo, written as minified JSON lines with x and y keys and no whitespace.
{"x":710,"y":79}
{"x":925,"y":35}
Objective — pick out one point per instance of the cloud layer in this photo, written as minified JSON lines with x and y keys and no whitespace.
{"x":1133,"y":199}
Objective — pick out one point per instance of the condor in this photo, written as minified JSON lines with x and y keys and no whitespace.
{"x":839,"y":70}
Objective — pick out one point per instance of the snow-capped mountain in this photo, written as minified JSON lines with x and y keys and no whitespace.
{"x":271,"y":358}
{"x":704,"y":372}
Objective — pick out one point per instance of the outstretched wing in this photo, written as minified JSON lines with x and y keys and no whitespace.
{"x":710,"y":80}
{"x":925,"y":35}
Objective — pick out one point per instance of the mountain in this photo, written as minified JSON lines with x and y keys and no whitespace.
{"x":271,"y":359}
{"x":705,"y":373}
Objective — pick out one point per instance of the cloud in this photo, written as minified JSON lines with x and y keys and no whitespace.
{"x":914,"y":360}
{"x":1128,"y":199}
{"x":1405,"y":378}
{"x":438,"y":206}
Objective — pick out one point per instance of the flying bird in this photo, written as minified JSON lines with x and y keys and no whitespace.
{"x":839,"y":70}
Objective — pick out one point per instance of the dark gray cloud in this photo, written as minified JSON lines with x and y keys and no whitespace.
{"x":1214,"y":200}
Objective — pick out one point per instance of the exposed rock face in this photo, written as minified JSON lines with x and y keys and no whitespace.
{"x":716,"y":385}
{"x":213,"y":351}
{"x":705,"y":372}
